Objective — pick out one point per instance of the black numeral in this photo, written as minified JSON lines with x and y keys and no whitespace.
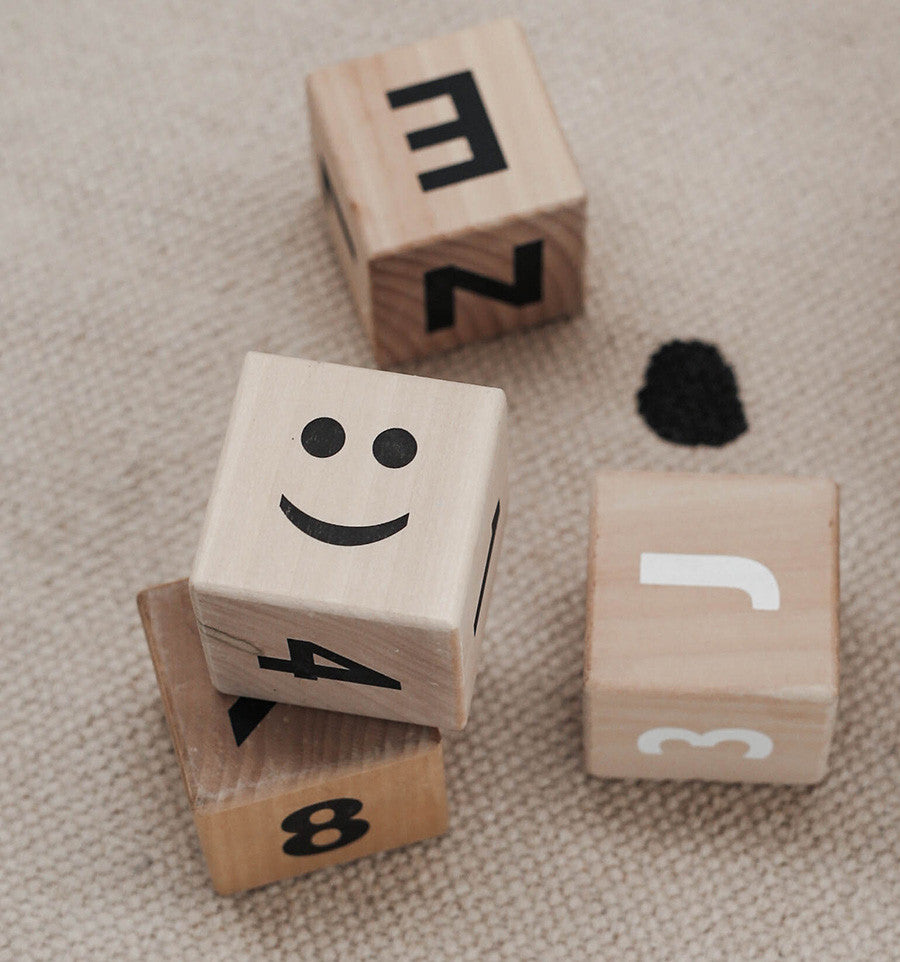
{"x":442,"y":282}
{"x":471,"y":122}
{"x":487,"y":565}
{"x":305,"y":830}
{"x":328,"y":190}
{"x":245,"y":714}
{"x":302,"y":664}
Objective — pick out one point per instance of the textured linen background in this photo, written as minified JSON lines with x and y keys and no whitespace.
{"x":159,"y":216}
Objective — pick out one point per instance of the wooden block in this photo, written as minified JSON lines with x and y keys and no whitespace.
{"x":712,"y":627}
{"x":276,"y":790}
{"x":452,"y":198}
{"x":350,"y":541}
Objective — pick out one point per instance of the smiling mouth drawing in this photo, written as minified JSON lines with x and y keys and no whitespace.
{"x":342,"y":534}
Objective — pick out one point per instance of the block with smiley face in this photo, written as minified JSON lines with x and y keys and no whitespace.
{"x":351,"y":540}
{"x":712,"y":627}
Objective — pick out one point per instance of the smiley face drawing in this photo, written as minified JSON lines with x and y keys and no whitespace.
{"x":323,"y":437}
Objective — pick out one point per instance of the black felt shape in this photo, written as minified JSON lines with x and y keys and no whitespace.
{"x":690,"y":395}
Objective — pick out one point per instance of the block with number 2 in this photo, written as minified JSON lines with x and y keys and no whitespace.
{"x":452,"y":198}
{"x":351,"y":540}
{"x":277,"y":790}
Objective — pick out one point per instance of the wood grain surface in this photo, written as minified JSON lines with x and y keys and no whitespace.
{"x":389,"y":232}
{"x":701,"y":657}
{"x":241,"y":793}
{"x":411,"y":605}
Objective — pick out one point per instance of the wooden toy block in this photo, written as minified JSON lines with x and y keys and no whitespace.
{"x":452,"y":198}
{"x":712,"y":627}
{"x":350,"y":541}
{"x":277,"y":790}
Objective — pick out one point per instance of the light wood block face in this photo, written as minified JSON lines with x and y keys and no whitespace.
{"x":452,"y":197}
{"x":351,"y":539}
{"x":277,"y":790}
{"x":712,"y":627}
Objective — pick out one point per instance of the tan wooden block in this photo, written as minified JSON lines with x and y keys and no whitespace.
{"x":712,"y":627}
{"x":347,"y":557}
{"x":452,"y":198}
{"x":277,"y":790}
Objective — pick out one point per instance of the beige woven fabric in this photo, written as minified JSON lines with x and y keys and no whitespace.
{"x":159,"y":216}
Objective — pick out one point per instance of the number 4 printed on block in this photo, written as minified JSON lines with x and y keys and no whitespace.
{"x":302,"y":664}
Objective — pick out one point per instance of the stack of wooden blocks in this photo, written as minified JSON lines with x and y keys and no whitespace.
{"x":333,"y":619}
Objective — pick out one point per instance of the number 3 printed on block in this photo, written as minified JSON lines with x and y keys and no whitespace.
{"x":758,"y":744}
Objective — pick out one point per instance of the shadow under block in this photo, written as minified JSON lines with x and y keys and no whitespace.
{"x":276,"y":790}
{"x":452,"y":198}
{"x":351,"y":537}
{"x":712,"y":627}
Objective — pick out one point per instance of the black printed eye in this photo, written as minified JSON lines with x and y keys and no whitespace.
{"x":322,"y":437}
{"x":394,"y":448}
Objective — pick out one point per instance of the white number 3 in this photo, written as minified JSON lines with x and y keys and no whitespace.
{"x":758,"y":744}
